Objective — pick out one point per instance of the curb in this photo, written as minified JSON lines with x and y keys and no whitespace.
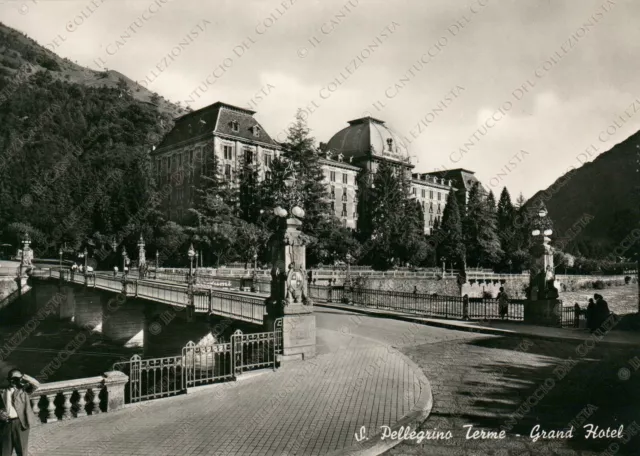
{"x":479,"y":330}
{"x":374,"y":445}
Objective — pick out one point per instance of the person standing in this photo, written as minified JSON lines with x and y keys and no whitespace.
{"x":503,"y":303}
{"x":16,"y":414}
{"x":602,"y":309}
{"x":591,"y":315}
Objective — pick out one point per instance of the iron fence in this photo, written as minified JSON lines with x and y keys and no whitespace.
{"x":201,"y":365}
{"x":430,"y":305}
{"x":570,"y":317}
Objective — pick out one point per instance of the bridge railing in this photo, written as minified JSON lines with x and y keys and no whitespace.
{"x":242,"y":307}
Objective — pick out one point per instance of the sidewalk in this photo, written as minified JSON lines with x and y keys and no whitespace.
{"x":496,"y":327}
{"x":312,"y":407}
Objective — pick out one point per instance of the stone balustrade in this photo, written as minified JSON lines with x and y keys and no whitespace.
{"x":76,"y":398}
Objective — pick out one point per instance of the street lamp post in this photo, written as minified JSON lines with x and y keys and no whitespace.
{"x":444,"y":266}
{"x":509,"y":263}
{"x":86,"y":254}
{"x":25,"y":245}
{"x":124,"y":261}
{"x":254,"y":275}
{"x":349,"y":258}
{"x":191,"y":254}
{"x":60,"y":253}
{"x":156,"y":273}
{"x":142,"y":260}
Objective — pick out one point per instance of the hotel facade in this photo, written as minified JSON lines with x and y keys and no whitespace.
{"x":229,"y":138}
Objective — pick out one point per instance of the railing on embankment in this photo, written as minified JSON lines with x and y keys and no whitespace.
{"x":68,"y":399}
{"x":139,"y":379}
{"x":206,"y":300}
{"x":433,"y":305}
{"x":201,"y":365}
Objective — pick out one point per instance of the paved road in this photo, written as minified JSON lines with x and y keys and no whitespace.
{"x":482,"y":380}
{"x":309,"y":408}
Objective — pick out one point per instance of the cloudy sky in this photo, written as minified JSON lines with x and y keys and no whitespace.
{"x":516,"y":91}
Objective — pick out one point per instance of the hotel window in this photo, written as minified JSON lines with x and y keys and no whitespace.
{"x":248,"y":156}
{"x":431,"y":207}
{"x":333,"y":206}
{"x":431,"y":220}
{"x":227,"y":151}
{"x":333,"y":192}
{"x":430,"y":194}
{"x":227,"y":171}
{"x":333,"y":176}
{"x":235,"y":127}
{"x":267,"y":175}
{"x":355,"y":215}
{"x":413,"y":190}
{"x":344,"y":222}
{"x":179,"y":160}
{"x":344,"y":209}
{"x":424,"y":192}
{"x":268,"y":159}
{"x":256,"y":131}
{"x":158,"y":168}
{"x":345,"y":178}
{"x":344,"y":194}
{"x":439,"y":196}
{"x":438,"y":208}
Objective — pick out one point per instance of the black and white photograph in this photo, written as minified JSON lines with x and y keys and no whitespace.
{"x":308,"y":228}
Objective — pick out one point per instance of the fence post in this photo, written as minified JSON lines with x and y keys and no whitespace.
{"x":236,"y":357}
{"x":465,"y":307}
{"x":210,"y":299}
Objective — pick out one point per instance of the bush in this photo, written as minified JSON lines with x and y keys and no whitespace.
{"x":598,"y":285}
{"x":627,"y":280}
{"x":487,"y":294}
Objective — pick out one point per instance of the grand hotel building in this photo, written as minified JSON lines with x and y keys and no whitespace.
{"x":231,"y":137}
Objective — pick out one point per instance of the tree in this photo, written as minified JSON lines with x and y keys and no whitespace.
{"x":451,"y":244}
{"x":520,"y":201}
{"x":479,"y":230}
{"x":299,"y":149}
{"x":249,"y":195}
{"x":506,"y":229}
{"x":387,"y":212}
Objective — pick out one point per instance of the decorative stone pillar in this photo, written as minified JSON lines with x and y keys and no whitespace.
{"x":115,"y":382}
{"x":289,"y":298}
{"x":542,"y":306}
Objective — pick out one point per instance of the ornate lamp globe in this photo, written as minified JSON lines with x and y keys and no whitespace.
{"x":535,"y":232}
{"x":191,"y":253}
{"x":542,"y":212}
{"x":548,"y":232}
{"x":297,"y":211}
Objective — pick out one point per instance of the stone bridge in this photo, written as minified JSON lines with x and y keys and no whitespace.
{"x":161,"y":317}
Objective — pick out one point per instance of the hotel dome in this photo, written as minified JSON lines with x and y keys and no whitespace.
{"x":368,"y":136}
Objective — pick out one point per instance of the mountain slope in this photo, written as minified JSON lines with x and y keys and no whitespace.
{"x":597,"y":206}
{"x":74,"y":149}
{"x":19,"y":51}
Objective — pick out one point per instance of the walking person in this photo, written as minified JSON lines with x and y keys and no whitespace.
{"x":503,"y":303}
{"x":16,"y":414}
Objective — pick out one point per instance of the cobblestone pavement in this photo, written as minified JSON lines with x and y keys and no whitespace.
{"x":484,"y":380}
{"x":308,"y":408}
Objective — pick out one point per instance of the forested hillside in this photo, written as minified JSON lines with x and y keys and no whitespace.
{"x":596,"y":207}
{"x":74,"y":147}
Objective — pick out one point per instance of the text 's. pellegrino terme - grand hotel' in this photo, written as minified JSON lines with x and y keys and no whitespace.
{"x":231,"y":138}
